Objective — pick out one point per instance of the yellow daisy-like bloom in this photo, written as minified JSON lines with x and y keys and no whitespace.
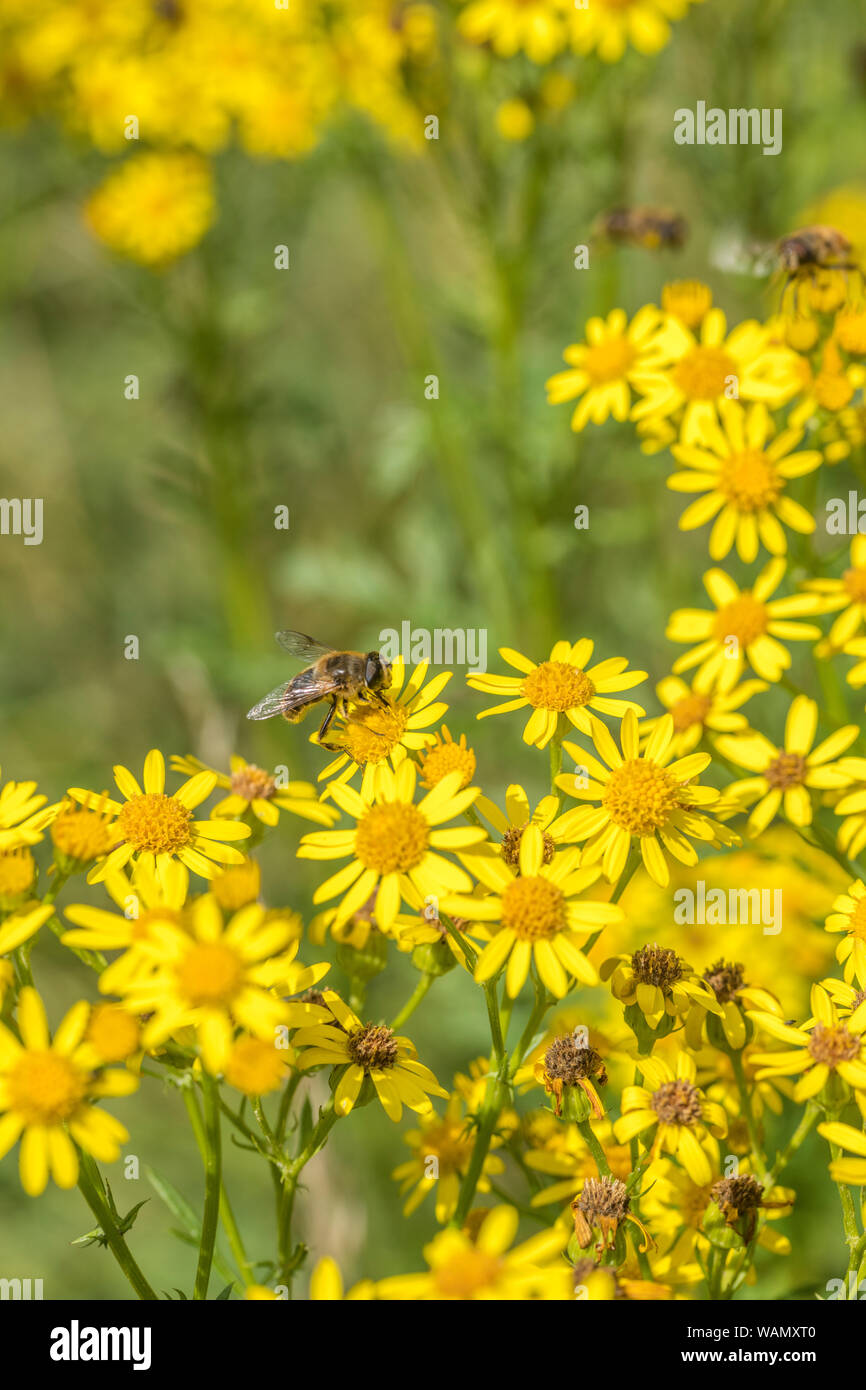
{"x":464,"y":1269}
{"x":144,"y":902}
{"x":218,"y":976}
{"x":825,"y":393}
{"x":442,"y":756}
{"x":154,"y":208}
{"x":849,"y":916}
{"x":448,"y":1141}
{"x":20,"y":926}
{"x":849,"y":331}
{"x":671,"y":1103}
{"x":847,"y":593}
{"x":743,"y":479}
{"x":373,"y":736}
{"x":851,"y":836}
{"x":514,"y":120}
{"x":113,"y":1034}
{"x":395,"y":844}
{"x":518,"y":815}
{"x":603,"y":369}
{"x":698,"y":710}
{"x":700,"y":375}
{"x":846,"y":1170}
{"x":733,"y":995}
{"x":745,"y":627}
{"x":642,"y":795}
{"x":371,"y":1057}
{"x":533,"y":27}
{"x":539,"y":914}
{"x":23,"y":814}
{"x":562,"y":685}
{"x":822,"y":1046}
{"x":255,"y":1066}
{"x":237,"y":885}
{"x":18,"y":875}
{"x":83,"y":834}
{"x":784,"y":776}
{"x":326,"y":1284}
{"x":660,"y":984}
{"x":607,"y":27}
{"x":47,"y":1094}
{"x":252,"y":790}
{"x":688,"y":300}
{"x":155,"y":827}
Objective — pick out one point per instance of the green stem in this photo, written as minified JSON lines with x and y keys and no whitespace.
{"x":213,"y":1185}
{"x":413,"y":1001}
{"x":90,"y":1186}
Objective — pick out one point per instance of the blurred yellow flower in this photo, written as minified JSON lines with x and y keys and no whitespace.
{"x":154,"y":208}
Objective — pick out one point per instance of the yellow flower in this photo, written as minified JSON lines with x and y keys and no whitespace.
{"x":662,"y":986}
{"x":518,"y":815}
{"x":463,"y":1269}
{"x":154,"y":208}
{"x":697,"y":710}
{"x":539,"y":915}
{"x":534,"y":27}
{"x":641,"y":795}
{"x":442,"y":1147}
{"x":442,"y":756}
{"x":785,"y":775}
{"x":145,"y":902}
{"x":701,"y":374}
{"x":83,"y":834}
{"x":371,"y":1057}
{"x":252,"y":790}
{"x":851,"y":836}
{"x":374,"y":736}
{"x":603,"y":369}
{"x":255,"y":1066}
{"x":607,"y":27}
{"x":823,"y":1046}
{"x":514,"y":120}
{"x":743,"y":479}
{"x":395,"y":844}
{"x":564,"y":1155}
{"x":326,"y":1284}
{"x":847,"y":593}
{"x":846,"y":1170}
{"x":688,"y":300}
{"x":732,"y":994}
{"x":21,"y":925}
{"x":47,"y":1095}
{"x":113,"y":1034}
{"x":849,"y":916}
{"x":18,"y":875}
{"x":849,"y":331}
{"x":563,"y":684}
{"x":745,"y":627}
{"x":155,"y":827}
{"x":677,"y":1109}
{"x":237,"y":885}
{"x":219,"y":976}
{"x":23,"y":814}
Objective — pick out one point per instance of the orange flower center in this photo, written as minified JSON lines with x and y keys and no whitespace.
{"x":691,"y":709}
{"x":750,"y":480}
{"x":467,"y":1273}
{"x":608,"y":360}
{"x":703,"y":373}
{"x":371,"y":734}
{"x":391,"y":838}
{"x":155,"y":823}
{"x":854,"y":581}
{"x":45,"y":1088}
{"x":210,"y":974}
{"x":557,"y":685}
{"x":833,"y":1045}
{"x":787,"y":770}
{"x":641,"y":797}
{"x":533,"y":908}
{"x":744,"y":618}
{"x":252,"y":783}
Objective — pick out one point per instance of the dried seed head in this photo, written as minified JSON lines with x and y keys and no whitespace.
{"x":566,"y":1061}
{"x":725,"y":979}
{"x":677,"y":1103}
{"x":833,"y":1045}
{"x":372,"y":1047}
{"x":743,"y":1194}
{"x":603,"y":1199}
{"x":656,"y":965}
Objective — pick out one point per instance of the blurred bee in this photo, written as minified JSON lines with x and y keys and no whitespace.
{"x":331,"y":675}
{"x":810,"y":250}
{"x":651,"y":228}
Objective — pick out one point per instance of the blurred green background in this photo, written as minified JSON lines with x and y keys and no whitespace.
{"x":305,"y":388}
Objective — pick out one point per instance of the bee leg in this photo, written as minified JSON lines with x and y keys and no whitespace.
{"x":326,"y":723}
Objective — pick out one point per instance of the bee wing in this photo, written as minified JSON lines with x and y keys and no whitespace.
{"x":277,"y":702}
{"x":300,"y":645}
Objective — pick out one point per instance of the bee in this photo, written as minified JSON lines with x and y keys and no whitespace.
{"x":812,"y":249}
{"x":648,"y":227}
{"x":330,"y":675}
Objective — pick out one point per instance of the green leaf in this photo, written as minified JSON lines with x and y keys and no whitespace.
{"x":190,"y":1223}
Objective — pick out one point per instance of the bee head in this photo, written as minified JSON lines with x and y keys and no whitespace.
{"x":377,"y":672}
